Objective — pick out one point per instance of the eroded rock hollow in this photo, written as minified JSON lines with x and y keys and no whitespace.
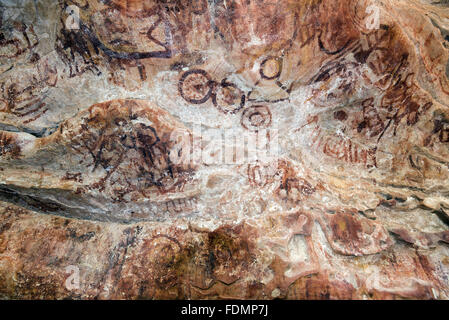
{"x":260,"y":149}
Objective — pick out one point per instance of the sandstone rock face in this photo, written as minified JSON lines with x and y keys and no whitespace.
{"x":260,"y":149}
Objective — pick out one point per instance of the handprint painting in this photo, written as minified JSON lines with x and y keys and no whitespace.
{"x":224,"y":149}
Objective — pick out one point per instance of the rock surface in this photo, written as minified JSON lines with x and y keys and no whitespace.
{"x":261,"y":149}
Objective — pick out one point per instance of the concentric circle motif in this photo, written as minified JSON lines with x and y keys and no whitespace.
{"x":228,"y":98}
{"x":195,"y":86}
{"x":256,"y":118}
{"x":271,"y":68}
